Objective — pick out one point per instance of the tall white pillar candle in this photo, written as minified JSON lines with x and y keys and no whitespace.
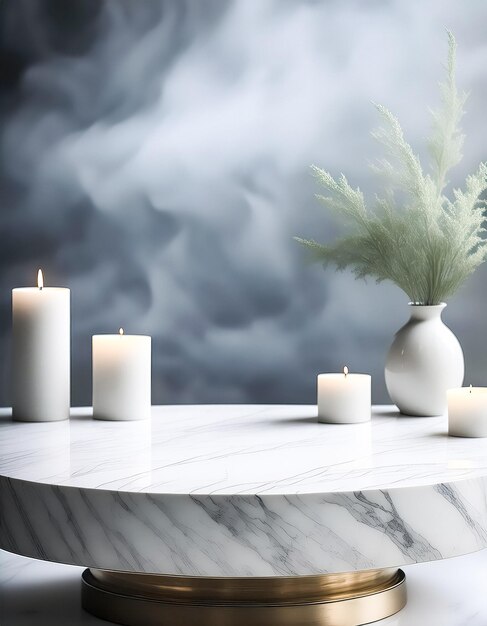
{"x":121,"y":377}
{"x":40,"y":353}
{"x":344,"y":398}
{"x":467,"y":412}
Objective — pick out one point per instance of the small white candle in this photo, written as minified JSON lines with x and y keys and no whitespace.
{"x":467,"y":412}
{"x":344,"y":398}
{"x":121,"y":377}
{"x":40,"y":353}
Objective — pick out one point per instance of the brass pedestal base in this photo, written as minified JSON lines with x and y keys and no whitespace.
{"x":329,"y":600}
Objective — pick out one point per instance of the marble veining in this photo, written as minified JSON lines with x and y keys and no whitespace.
{"x":241,"y":491}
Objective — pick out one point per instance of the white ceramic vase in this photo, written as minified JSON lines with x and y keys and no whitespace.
{"x":425,"y":360}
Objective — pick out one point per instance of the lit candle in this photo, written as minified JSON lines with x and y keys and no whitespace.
{"x":121,"y":377}
{"x":344,"y":398}
{"x":40,"y":353}
{"x":467,"y":412}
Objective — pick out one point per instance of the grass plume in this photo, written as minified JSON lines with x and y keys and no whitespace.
{"x":414,"y":235}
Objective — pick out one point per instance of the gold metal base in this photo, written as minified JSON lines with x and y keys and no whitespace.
{"x":347,"y":599}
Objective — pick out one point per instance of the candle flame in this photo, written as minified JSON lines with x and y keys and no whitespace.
{"x":121,"y":331}
{"x":345,"y":371}
{"x":40,"y":279}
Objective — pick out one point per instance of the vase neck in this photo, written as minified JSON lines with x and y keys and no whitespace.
{"x":421,"y":312}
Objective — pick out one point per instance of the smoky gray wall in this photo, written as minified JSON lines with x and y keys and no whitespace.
{"x":155,"y":159}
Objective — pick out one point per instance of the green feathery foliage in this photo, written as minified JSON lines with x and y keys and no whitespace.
{"x":414,"y":236}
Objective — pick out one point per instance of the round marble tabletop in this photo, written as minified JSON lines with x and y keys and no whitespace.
{"x":240,"y":490}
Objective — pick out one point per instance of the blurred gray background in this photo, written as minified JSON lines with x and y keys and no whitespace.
{"x":155,"y":159}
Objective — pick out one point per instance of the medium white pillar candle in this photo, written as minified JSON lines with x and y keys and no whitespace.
{"x":121,"y":377}
{"x":344,"y":398}
{"x":467,"y":412}
{"x":40,"y":353}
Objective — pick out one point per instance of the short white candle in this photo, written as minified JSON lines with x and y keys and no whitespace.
{"x":467,"y":412}
{"x":344,"y":398}
{"x":121,"y":377}
{"x":40,"y":353}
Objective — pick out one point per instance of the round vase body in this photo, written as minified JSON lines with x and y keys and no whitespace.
{"x":425,"y":360}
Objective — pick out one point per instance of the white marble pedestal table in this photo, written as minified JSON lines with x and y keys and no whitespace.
{"x":235,"y":515}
